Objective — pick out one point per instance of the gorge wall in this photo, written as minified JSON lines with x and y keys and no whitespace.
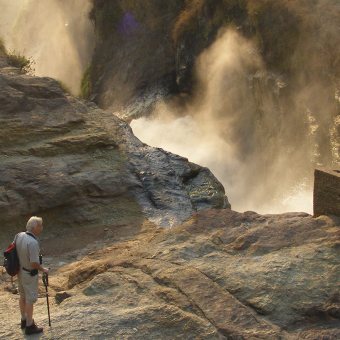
{"x":250,"y":89}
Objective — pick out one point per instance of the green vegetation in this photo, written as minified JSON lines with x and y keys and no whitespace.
{"x":20,"y":61}
{"x":2,"y":47}
{"x":15,"y":59}
{"x":85,"y":86}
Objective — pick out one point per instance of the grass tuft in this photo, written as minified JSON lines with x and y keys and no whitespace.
{"x":15,"y":59}
{"x":2,"y":47}
{"x":85,"y":87}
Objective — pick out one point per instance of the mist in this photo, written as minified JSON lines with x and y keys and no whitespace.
{"x":57,"y":35}
{"x":262,"y":149}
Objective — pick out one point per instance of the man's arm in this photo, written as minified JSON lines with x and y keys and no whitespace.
{"x":36,"y":265}
{"x":33,"y":251}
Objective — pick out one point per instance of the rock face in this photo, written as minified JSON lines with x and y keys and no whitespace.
{"x":76,"y":165}
{"x":145,"y":53}
{"x":143,"y":66}
{"x":221,"y":275}
{"x":158,"y":44}
{"x":326,"y":198}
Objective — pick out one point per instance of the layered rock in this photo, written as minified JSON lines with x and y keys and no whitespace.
{"x":76,"y":165}
{"x":221,"y":275}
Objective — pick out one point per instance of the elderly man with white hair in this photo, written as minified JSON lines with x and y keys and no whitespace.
{"x":28,"y":250}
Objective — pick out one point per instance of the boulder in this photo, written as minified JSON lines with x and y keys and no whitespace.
{"x":60,"y":297}
{"x":76,"y":165}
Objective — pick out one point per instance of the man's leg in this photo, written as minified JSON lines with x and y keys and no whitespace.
{"x":29,"y":313}
{"x":31,"y":327}
{"x":22,"y":305}
{"x":31,"y":296}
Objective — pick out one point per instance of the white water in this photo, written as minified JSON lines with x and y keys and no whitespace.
{"x":255,"y":159}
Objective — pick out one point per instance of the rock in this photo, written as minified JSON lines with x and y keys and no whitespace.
{"x":227,"y":314}
{"x":79,"y":166}
{"x":326,"y":198}
{"x":143,"y":34}
{"x":60,"y":297}
{"x":267,"y":277}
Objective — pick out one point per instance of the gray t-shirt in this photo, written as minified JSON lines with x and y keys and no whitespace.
{"x":28,"y":250}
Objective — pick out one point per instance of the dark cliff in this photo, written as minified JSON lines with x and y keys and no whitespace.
{"x":148,"y":51}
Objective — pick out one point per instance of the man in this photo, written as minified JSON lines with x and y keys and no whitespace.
{"x":28,"y":252}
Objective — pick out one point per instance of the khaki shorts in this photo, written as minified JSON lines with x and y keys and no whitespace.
{"x":28,"y":286}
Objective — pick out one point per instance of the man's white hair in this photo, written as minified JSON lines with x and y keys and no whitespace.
{"x":33,"y":222}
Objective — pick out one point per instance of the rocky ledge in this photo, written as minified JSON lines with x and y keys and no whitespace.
{"x":76,"y":165}
{"x":220,"y":275}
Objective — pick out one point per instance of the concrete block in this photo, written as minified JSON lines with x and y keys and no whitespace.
{"x":326,"y":196}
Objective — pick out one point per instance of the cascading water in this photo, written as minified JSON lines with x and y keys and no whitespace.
{"x":260,"y":143}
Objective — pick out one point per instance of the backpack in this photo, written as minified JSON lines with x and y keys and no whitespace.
{"x":11,"y":260}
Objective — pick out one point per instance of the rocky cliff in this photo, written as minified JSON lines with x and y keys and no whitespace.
{"x":76,"y":165}
{"x":159,"y":43}
{"x":147,"y":52}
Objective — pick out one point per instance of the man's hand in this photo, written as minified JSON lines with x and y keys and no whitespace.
{"x":36,"y":265}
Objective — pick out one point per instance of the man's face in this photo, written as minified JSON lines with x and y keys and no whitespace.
{"x":38,"y":229}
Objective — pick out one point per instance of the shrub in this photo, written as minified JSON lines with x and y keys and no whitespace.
{"x":85,"y":87}
{"x":20,"y":61}
{"x":2,"y":47}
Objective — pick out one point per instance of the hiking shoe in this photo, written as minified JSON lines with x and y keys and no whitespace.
{"x":23,"y":324}
{"x":33,"y":329}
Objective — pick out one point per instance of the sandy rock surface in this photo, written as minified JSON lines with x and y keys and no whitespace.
{"x":221,"y":275}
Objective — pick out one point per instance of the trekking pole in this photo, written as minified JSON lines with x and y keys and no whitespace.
{"x":45,"y":281}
